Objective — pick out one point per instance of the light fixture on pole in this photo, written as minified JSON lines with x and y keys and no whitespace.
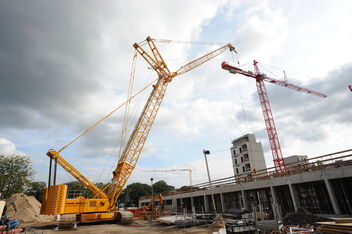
{"x":205,"y":152}
{"x":152,"y":198}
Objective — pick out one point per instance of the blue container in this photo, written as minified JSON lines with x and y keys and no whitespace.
{"x":12,"y":223}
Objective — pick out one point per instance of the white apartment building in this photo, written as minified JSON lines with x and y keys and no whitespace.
{"x":247,"y":155}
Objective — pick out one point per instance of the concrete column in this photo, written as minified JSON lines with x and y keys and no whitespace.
{"x":244,"y":200}
{"x":332,"y":197}
{"x":275,"y":204}
{"x":222,"y":202}
{"x":206,"y":208}
{"x":192,"y":205}
{"x":294,"y":197}
{"x":174,"y":203}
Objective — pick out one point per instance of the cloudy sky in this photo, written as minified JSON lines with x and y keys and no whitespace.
{"x":65,"y":64}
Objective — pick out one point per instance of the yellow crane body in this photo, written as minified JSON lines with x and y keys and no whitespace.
{"x":102,"y":205}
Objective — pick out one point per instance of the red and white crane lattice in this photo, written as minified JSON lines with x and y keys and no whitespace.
{"x":279,"y":163}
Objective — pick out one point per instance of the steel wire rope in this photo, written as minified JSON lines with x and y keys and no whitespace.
{"x":307,"y":113}
{"x":187,"y":42}
{"x":127,"y":107}
{"x":304,"y":101}
{"x":129,"y":127}
{"x":241,"y":98}
{"x":131,"y":81}
{"x":107,"y":116}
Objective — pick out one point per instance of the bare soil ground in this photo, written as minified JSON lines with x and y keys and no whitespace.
{"x":139,"y":226}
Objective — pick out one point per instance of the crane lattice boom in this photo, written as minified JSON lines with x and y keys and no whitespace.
{"x":102,"y":205}
{"x":265,"y":104}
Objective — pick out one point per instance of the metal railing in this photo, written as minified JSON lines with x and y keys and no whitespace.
{"x":332,"y":160}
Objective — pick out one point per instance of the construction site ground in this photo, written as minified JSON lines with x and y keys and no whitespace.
{"x":138,"y":226}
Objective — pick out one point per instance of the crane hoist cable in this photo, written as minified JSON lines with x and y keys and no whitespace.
{"x":104,"y":208}
{"x":128,"y":104}
{"x":107,"y":116}
{"x":125,"y":119}
{"x":186,"y":42}
{"x":244,"y":113}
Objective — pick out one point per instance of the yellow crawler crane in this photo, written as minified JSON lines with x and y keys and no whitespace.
{"x":101,"y":206}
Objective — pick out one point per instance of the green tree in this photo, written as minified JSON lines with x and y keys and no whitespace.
{"x":161,"y":186}
{"x":15,"y":174}
{"x":36,"y":189}
{"x":132,"y":192}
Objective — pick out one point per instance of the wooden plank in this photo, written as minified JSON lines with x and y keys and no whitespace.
{"x":343,"y":220}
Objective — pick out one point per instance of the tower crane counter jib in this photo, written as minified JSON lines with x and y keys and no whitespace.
{"x":101,"y":205}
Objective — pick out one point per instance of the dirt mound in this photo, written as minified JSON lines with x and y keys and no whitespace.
{"x":24,"y":208}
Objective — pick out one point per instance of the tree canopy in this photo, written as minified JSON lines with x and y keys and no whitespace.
{"x":15,"y":174}
{"x":161,"y":186}
{"x":36,"y":189}
{"x":131,"y":194}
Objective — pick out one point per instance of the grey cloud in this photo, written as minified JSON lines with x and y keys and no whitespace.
{"x":248,"y":115}
{"x":45,"y":66}
{"x":303,"y":116}
{"x":308,"y":109}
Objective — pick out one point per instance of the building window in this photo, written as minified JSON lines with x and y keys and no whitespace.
{"x":248,"y":167}
{"x":240,"y":150}
{"x":244,"y":148}
{"x":234,"y":152}
{"x":168,"y":202}
{"x":245,"y":157}
{"x":235,"y":161}
{"x":243,"y":169}
{"x":241,"y":159}
{"x":236,"y":170}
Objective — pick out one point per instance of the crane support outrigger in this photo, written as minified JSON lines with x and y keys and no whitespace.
{"x":101,"y":206}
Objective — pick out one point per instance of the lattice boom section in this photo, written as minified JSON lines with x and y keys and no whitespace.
{"x":136,"y":141}
{"x":270,"y":127}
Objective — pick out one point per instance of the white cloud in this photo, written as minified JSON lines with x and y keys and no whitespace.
{"x":8,"y":148}
{"x":80,"y":59}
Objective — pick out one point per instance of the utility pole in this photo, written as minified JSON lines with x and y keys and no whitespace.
{"x":152,"y":199}
{"x":205,"y":152}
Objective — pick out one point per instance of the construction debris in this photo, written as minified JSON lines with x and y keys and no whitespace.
{"x":337,"y":226}
{"x":218,"y":224}
{"x":302,"y":217}
{"x":239,"y":221}
{"x":24,"y":208}
{"x":8,"y":225}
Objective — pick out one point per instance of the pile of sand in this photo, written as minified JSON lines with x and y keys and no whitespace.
{"x":25,"y":208}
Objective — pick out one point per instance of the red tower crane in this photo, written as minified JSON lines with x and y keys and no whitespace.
{"x":279,"y":163}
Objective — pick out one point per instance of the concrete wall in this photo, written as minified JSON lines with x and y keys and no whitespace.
{"x":318,"y":191}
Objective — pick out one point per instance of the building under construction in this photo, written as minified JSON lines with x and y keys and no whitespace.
{"x":321,"y":185}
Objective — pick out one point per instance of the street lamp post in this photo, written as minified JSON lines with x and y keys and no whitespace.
{"x":152,"y":198}
{"x":205,"y":152}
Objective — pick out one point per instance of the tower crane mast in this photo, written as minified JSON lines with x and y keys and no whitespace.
{"x":279,"y":163}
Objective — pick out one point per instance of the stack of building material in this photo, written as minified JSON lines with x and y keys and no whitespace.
{"x":9,"y":225}
{"x":341,"y":225}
